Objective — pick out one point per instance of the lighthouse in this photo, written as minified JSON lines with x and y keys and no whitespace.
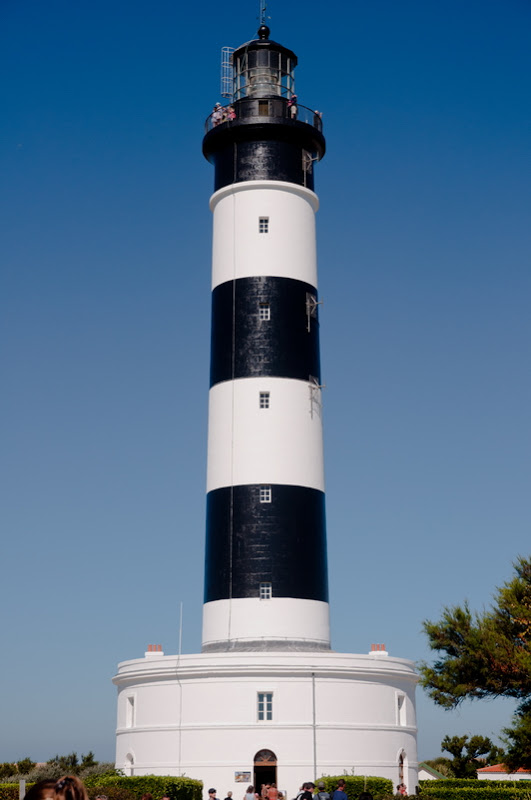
{"x":267,"y":699}
{"x":266,"y":582}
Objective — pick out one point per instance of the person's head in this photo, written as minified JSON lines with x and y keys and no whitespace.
{"x":320,"y":786}
{"x":229,"y":794}
{"x":41,"y":791}
{"x":147,"y":796}
{"x":70,"y":787}
{"x":250,"y":789}
{"x":211,"y":792}
{"x":103,"y":797}
{"x":341,"y":783}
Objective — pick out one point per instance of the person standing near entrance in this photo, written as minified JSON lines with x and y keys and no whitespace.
{"x":321,"y":794}
{"x":307,"y":793}
{"x":250,"y":794}
{"x":340,"y":793}
{"x":272,"y":793}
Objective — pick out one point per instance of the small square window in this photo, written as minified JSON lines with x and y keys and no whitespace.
{"x":263,"y":108}
{"x":263,"y":224}
{"x":265,"y":494}
{"x":264,"y":399}
{"x":265,"y":706}
{"x":266,"y":591}
{"x":264,"y":311}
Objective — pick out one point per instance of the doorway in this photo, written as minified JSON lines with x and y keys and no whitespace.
{"x":265,"y":769}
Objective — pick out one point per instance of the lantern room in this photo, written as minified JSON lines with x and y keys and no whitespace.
{"x":263,"y":68}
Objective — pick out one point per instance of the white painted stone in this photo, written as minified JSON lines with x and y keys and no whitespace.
{"x":332,"y":713}
{"x":250,"y":619}
{"x":281,"y":444}
{"x":287,"y":251}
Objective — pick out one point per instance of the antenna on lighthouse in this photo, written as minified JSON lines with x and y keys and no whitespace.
{"x":262,"y":15}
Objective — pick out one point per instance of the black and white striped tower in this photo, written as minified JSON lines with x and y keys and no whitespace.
{"x":266,"y":584}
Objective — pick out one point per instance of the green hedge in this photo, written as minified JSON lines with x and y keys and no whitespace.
{"x":118,"y":787}
{"x":356,"y":784}
{"x":471,"y":783}
{"x":9,"y":791}
{"x":481,"y":793}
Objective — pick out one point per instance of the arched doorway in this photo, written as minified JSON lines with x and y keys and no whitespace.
{"x":402,"y":768}
{"x":265,"y":769}
{"x":129,"y":764}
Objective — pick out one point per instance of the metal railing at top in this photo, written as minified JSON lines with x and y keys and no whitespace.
{"x":254,"y":108}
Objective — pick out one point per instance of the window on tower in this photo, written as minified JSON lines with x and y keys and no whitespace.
{"x":264,"y":399}
{"x":264,"y":311}
{"x":265,"y":706}
{"x":263,"y":225}
{"x":265,"y":494}
{"x":266,"y":591}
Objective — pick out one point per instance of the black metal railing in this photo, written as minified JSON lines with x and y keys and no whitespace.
{"x":257,"y":108}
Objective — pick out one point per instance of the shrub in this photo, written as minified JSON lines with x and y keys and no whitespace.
{"x":9,"y":791}
{"x":118,"y":787}
{"x":480,"y":793}
{"x":356,"y":784}
{"x":469,"y":783}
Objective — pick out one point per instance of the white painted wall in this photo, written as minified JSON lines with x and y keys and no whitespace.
{"x":281,"y":444}
{"x":288,"y":250}
{"x":196,"y":715}
{"x":504,"y":776}
{"x":252,"y":619}
{"x":424,"y":775}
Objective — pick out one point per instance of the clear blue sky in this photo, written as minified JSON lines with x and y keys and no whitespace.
{"x":424,"y":259}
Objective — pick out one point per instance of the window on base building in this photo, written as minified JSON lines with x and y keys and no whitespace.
{"x":264,"y":399}
{"x":265,"y":706}
{"x":265,"y":494}
{"x":263,"y":224}
{"x":130,"y":712}
{"x":401,"y":709}
{"x":264,"y":311}
{"x":266,"y":591}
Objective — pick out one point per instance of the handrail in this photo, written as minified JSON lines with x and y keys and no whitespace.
{"x":229,"y":114}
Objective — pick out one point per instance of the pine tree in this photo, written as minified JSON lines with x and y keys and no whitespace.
{"x":488,"y":655}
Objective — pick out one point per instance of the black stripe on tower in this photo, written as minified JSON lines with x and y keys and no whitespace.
{"x":264,"y":326}
{"x":264,"y":143}
{"x":282,"y":542}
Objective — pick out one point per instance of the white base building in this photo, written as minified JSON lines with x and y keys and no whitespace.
{"x":231,"y":719}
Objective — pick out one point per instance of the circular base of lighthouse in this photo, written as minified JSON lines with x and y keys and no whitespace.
{"x":251,"y":717}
